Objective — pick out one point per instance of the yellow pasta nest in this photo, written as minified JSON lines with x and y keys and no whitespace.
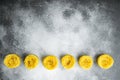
{"x":105,"y":61}
{"x":12,"y":61}
{"x":31,"y":61}
{"x":50,"y":62}
{"x":68,"y":61}
{"x":85,"y":62}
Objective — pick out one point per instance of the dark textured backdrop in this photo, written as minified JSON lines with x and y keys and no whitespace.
{"x":21,"y":17}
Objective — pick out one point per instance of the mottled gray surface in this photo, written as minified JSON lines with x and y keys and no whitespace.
{"x":57,"y":27}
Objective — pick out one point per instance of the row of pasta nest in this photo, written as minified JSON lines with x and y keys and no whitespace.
{"x":105,"y":61}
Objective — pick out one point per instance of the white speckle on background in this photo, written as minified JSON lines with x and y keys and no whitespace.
{"x":2,"y":32}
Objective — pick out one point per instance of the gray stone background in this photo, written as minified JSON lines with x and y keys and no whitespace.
{"x":59,"y":26}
